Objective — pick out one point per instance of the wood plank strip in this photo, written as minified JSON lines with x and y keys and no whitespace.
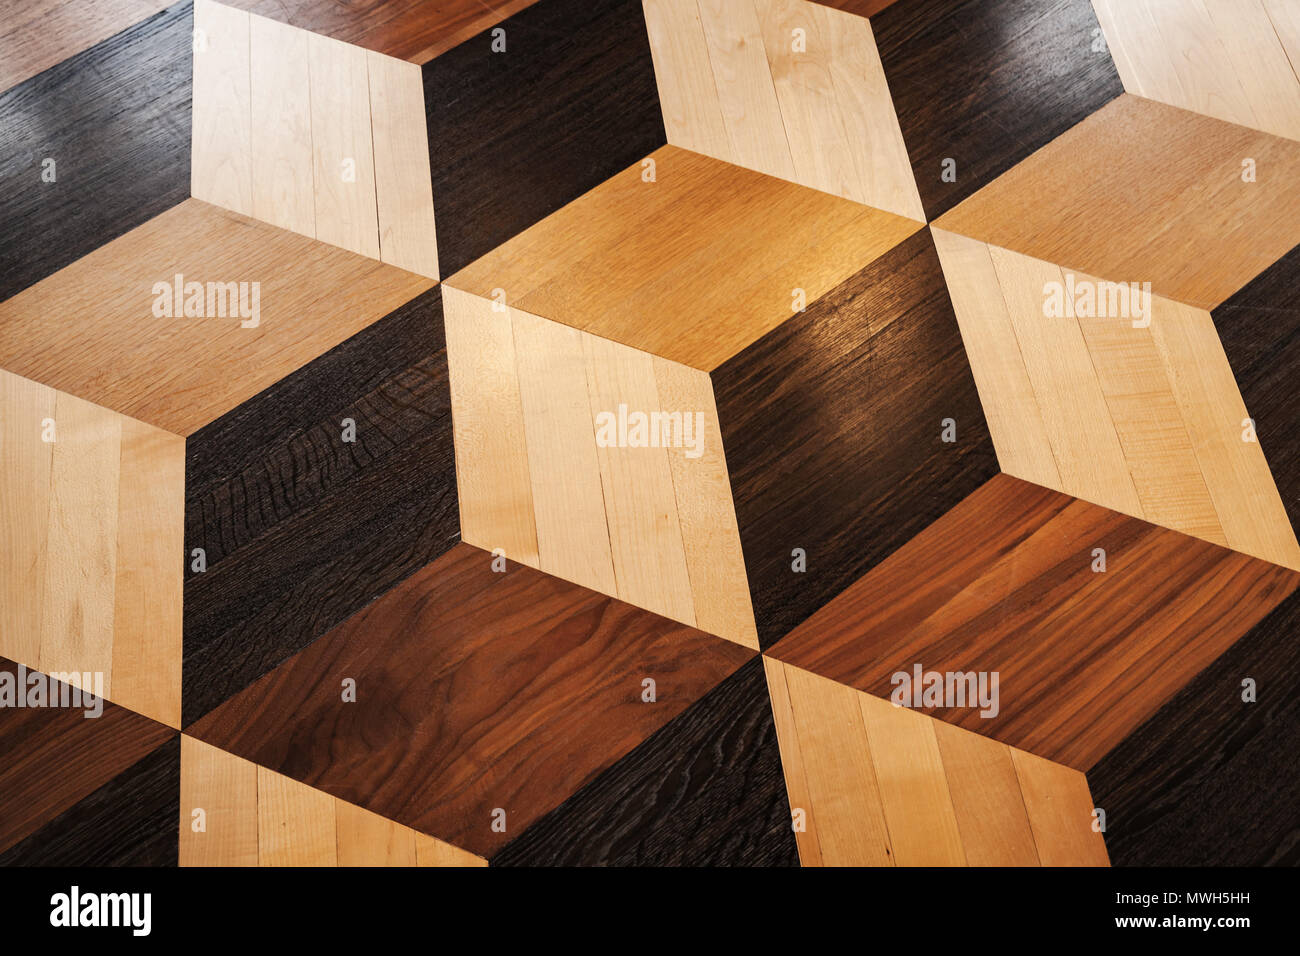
{"x":492,"y":474}
{"x":1060,"y":812}
{"x":404,"y":191}
{"x":147,"y":623}
{"x":283,"y":187}
{"x":645,"y":533}
{"x":705,"y":512}
{"x":792,"y":764}
{"x":224,"y":787}
{"x":913,"y":785}
{"x":563,"y":471}
{"x":78,"y":592}
{"x":221,"y":170}
{"x":367,"y":839}
{"x":688,"y":93}
{"x":295,"y":823}
{"x":344,"y":167}
{"x":433,"y":852}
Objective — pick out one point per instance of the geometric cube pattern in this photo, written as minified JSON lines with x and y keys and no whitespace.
{"x":649,"y":432}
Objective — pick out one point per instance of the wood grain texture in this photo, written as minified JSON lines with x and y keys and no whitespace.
{"x":90,"y":546}
{"x":115,"y":121}
{"x":1083,"y":657}
{"x":221,"y":163}
{"x":280,"y":135}
{"x":734,"y":88}
{"x":1139,"y":413}
{"x":704,"y":790}
{"x":39,"y":35}
{"x":1173,"y":183}
{"x":1219,"y":57}
{"x":1025,"y":73}
{"x":546,"y":678}
{"x":129,"y":821}
{"x":1200,"y":783}
{"x":691,"y":267}
{"x":103,"y":342}
{"x":301,"y":528}
{"x":1260,"y":332}
{"x":256,"y":817}
{"x":414,"y":30}
{"x":545,"y":475}
{"x":876,"y":785}
{"x":51,"y":758}
{"x":514,"y":136}
{"x":834,"y":440}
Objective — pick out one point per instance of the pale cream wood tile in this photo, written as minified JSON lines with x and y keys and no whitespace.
{"x":221,"y":157}
{"x":224,"y":787}
{"x":1060,"y":812}
{"x":295,"y":823}
{"x":367,"y":839}
{"x":283,"y":180}
{"x":431,"y":852}
{"x":792,"y":767}
{"x":688,"y":95}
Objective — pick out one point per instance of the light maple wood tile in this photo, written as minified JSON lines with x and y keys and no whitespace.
{"x":1060,"y":812}
{"x":367,"y":839}
{"x":224,"y":787}
{"x":221,"y":159}
{"x":295,"y":823}
{"x":280,"y":92}
{"x":983,"y":784}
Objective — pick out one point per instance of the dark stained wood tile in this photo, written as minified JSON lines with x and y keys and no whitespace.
{"x":116,"y":121}
{"x":129,"y":821}
{"x":1210,"y":780}
{"x":300,"y":529}
{"x":1260,"y":331}
{"x":987,"y":82}
{"x":705,"y":790}
{"x":52,"y":758}
{"x":475,"y":690}
{"x":514,"y":136}
{"x":1005,"y":583}
{"x":832,"y":425}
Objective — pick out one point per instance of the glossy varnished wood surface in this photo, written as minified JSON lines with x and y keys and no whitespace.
{"x":476,"y":690}
{"x":115,"y":120}
{"x":1207,"y":779}
{"x":1260,"y":331}
{"x":692,"y":266}
{"x":832,"y":425}
{"x":300,"y":529}
{"x":514,"y":136}
{"x":103,"y":343}
{"x":1172,"y":183}
{"x":704,"y":790}
{"x":1083,"y":656}
{"x":53,"y":758}
{"x":987,"y":82}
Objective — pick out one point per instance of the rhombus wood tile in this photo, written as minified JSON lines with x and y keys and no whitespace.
{"x":1084,"y":656}
{"x":515,"y":135}
{"x":834,"y":424}
{"x":1208,"y":778}
{"x":113,"y":331}
{"x":984,"y":83}
{"x":63,"y":773}
{"x":481,"y":696}
{"x":1144,"y":192}
{"x":304,"y":518}
{"x":113,"y":120}
{"x":704,"y":790}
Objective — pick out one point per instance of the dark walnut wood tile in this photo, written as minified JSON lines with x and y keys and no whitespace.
{"x":705,"y":790}
{"x":53,"y":758}
{"x":514,"y":136}
{"x":1209,"y":779}
{"x":115,"y":120}
{"x":475,"y":691}
{"x":833,"y":429}
{"x":129,"y":821}
{"x":1260,"y":331}
{"x":300,"y":528}
{"x":987,"y":82}
{"x":1005,"y":583}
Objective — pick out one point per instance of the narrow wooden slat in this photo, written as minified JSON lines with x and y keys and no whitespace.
{"x":150,"y":563}
{"x":1060,"y":812}
{"x":225,"y":788}
{"x":295,"y":823}
{"x":563,"y":470}
{"x":343,"y":168}
{"x":687,"y":91}
{"x":221,"y":169}
{"x":433,"y":852}
{"x":283,"y":181}
{"x":792,"y":765}
{"x":492,"y":477}
{"x":367,"y":839}
{"x":403,"y":188}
